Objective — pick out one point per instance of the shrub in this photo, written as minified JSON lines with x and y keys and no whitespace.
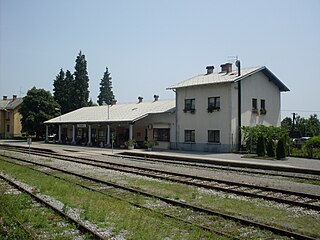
{"x":261,"y":146}
{"x":270,"y":148}
{"x":312,"y":143}
{"x":281,"y":150}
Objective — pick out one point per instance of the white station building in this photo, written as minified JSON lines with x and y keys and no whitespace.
{"x":206,"y":115}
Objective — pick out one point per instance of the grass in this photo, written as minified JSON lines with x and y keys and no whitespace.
{"x":249,"y":209}
{"x":122,"y":217}
{"x":133,"y":222}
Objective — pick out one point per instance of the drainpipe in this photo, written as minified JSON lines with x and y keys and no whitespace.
{"x":239,"y":106}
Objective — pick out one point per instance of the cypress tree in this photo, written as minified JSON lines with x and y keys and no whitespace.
{"x":280,"y":150}
{"x":106,"y":94}
{"x":270,"y":148}
{"x":81,"y":82}
{"x":59,"y":88}
{"x":69,"y":82}
{"x":261,"y":146}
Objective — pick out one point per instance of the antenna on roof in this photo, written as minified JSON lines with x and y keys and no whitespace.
{"x":232,"y":59}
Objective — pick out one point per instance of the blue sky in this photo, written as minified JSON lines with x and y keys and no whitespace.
{"x":151,"y":45}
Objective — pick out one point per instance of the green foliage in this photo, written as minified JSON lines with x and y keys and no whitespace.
{"x":312,"y":144}
{"x":306,"y":127}
{"x":62,"y":91}
{"x":38,"y":106}
{"x":251,"y":134}
{"x":106,"y":94}
{"x":80,"y":88}
{"x":281,"y":150}
{"x":260,"y":146}
{"x":270,"y":148}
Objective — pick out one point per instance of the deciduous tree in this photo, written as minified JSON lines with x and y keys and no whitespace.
{"x":37,"y":107}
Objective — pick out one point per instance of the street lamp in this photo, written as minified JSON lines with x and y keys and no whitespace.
{"x":58,"y":109}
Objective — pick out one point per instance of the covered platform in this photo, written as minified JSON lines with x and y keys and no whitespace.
{"x":115,"y":124}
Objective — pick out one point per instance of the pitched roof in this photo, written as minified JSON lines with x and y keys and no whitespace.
{"x":214,"y":78}
{"x":10,"y":103}
{"x":129,"y":112}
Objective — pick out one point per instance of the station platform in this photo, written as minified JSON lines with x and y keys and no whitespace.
{"x":226,"y":159}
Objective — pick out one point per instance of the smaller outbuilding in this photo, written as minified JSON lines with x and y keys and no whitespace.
{"x":116,"y":124}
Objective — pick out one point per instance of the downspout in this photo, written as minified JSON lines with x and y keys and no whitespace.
{"x":176,"y":119}
{"x":239,"y":106}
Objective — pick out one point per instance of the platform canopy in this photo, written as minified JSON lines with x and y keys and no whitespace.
{"x":119,"y":113}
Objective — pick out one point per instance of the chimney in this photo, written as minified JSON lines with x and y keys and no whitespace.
{"x":14,"y":97}
{"x":140,"y":99}
{"x":113,"y":102}
{"x":4,"y":98}
{"x":156,"y":97}
{"x":209,"y":69}
{"x":227,"y":67}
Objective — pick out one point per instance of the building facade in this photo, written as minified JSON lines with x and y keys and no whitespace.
{"x":114,"y":125}
{"x":207,"y":114}
{"x":10,"y":124}
{"x":211,"y":108}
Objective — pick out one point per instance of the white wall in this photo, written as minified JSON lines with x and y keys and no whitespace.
{"x":201,"y":121}
{"x":258,"y":86}
{"x":226,"y":120}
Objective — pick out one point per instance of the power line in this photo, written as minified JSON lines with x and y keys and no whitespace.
{"x":300,"y":111}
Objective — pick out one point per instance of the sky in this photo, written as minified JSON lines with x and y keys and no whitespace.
{"x":150,"y":45}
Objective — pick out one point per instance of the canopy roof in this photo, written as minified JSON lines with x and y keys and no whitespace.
{"x":129,"y":112}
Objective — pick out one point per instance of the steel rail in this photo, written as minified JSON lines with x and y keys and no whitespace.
{"x":82,"y":227}
{"x":263,"y":192}
{"x":121,"y":199}
{"x":182,"y":204}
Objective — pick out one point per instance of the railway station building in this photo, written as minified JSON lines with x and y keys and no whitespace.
{"x":206,"y":115}
{"x":115,"y":124}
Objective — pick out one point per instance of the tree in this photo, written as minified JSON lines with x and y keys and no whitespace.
{"x":270,"y":148}
{"x":302,"y":127}
{"x":38,"y":106}
{"x":281,"y":150}
{"x":62,"y":91}
{"x":286,"y":124}
{"x":80,"y":90}
{"x":106,"y":93}
{"x":261,"y":146}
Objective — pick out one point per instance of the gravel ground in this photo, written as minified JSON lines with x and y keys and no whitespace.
{"x":239,"y":177}
{"x":117,"y":177}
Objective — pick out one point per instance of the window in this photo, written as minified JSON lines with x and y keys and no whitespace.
{"x":189,"y":105}
{"x":254,"y":103}
{"x":213,"y":104}
{"x":8,"y":115}
{"x":8,"y":128}
{"x":263,"y":106}
{"x":214,"y":136}
{"x":161,"y":134}
{"x":189,"y":135}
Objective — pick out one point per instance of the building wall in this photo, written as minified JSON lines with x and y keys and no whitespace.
{"x":144,"y":129}
{"x":201,"y":121}
{"x":226,"y":120}
{"x":258,"y":86}
{"x":10,"y":118}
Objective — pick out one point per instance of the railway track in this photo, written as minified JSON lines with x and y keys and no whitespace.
{"x":73,"y":228}
{"x":241,"y":222}
{"x":304,"y":175}
{"x":308,"y":201}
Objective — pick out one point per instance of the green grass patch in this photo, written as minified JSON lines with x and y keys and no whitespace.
{"x":134,"y":222}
